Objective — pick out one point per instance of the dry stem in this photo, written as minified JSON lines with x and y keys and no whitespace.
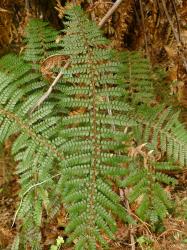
{"x":48,"y":92}
{"x":176,"y":35}
{"x":109,"y":13}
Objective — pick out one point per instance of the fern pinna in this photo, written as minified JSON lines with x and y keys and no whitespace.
{"x":75,"y":150}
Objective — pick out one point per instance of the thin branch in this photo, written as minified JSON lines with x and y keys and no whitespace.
{"x":177,"y":19}
{"x":170,"y":22}
{"x":170,"y":230}
{"x":176,"y":35}
{"x":26,"y":192}
{"x":123,"y":195}
{"x":92,"y":12}
{"x":48,"y":92}
{"x":4,"y":10}
{"x":27,"y":5}
{"x":136,"y":12}
{"x":109,"y":13}
{"x":74,"y":2}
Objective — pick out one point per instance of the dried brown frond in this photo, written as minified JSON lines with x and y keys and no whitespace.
{"x":51,"y":62}
{"x":121,"y":20}
{"x":99,"y":9}
{"x":5,"y":237}
{"x":12,"y":15}
{"x":60,"y":9}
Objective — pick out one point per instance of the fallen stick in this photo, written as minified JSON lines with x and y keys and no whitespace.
{"x":26,"y":192}
{"x":176,"y":35}
{"x":48,"y":92}
{"x":123,"y":195}
{"x":109,"y":13}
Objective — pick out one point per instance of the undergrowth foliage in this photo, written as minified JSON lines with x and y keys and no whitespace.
{"x":40,"y":42}
{"x":77,"y":150}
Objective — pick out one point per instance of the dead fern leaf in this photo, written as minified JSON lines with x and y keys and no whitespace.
{"x":54,"y":61}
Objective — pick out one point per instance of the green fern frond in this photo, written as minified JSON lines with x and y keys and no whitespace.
{"x":32,"y":148}
{"x":161,"y":128}
{"x":147,"y":191}
{"x":40,"y":41}
{"x":36,"y":146}
{"x":91,"y":137}
{"x":139,"y":78}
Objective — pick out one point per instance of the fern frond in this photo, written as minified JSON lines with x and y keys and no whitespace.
{"x":139,"y":78}
{"x":147,"y":191}
{"x":40,"y":41}
{"x":93,"y":141}
{"x":32,"y":148}
{"x":161,"y":128}
{"x":36,"y":146}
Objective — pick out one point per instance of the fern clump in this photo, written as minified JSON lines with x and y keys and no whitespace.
{"x":160,"y":126}
{"x":75,"y":148}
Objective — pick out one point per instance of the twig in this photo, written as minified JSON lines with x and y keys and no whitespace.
{"x":170,"y":230}
{"x":176,"y":35}
{"x":4,"y":10}
{"x":170,"y":22}
{"x":145,"y":224}
{"x":74,"y":2}
{"x":136,"y":13}
{"x":27,"y":5}
{"x":26,"y":192}
{"x":109,"y":13}
{"x":123,"y":195}
{"x":92,"y":12}
{"x":177,"y":19}
{"x":133,"y":242}
{"x":48,"y":92}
